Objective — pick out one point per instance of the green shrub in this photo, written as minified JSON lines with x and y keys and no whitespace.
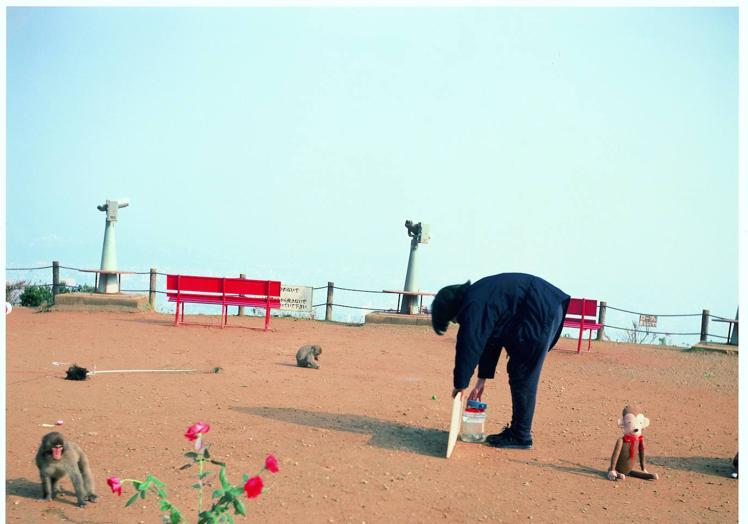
{"x":36,"y":295}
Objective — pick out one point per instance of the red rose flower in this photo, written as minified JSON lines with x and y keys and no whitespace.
{"x":271,"y":464}
{"x":196,"y":429}
{"x":253,"y":487}
{"x":115,"y":485}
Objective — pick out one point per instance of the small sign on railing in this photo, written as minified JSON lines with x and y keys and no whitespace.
{"x":648,"y":320}
{"x":296,"y":298}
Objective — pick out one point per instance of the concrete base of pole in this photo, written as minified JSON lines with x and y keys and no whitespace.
{"x":715,"y":347}
{"x":108,"y":284}
{"x":101,"y":302}
{"x":378,"y":317}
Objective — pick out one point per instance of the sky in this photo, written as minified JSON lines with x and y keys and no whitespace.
{"x":594,"y":147}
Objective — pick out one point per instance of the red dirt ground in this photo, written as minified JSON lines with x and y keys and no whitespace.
{"x":361,"y":439}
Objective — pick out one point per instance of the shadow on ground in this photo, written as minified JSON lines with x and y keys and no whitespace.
{"x":192,"y":322}
{"x":717,"y":466}
{"x":25,"y":488}
{"x":384,"y":434}
{"x":567,"y":467}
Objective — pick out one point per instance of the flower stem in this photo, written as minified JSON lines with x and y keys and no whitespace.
{"x":201,"y":460}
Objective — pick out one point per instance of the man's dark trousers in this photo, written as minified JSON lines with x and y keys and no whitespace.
{"x":524,"y":376}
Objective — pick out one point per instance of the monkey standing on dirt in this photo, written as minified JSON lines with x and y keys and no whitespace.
{"x":307,"y":356}
{"x":58,"y":457}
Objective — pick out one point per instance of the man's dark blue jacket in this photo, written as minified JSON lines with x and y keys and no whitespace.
{"x":510,"y":310}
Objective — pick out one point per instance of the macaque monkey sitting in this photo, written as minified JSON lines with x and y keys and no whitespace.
{"x":308,"y":356}
{"x":623,"y":460}
{"x":57,"y":457}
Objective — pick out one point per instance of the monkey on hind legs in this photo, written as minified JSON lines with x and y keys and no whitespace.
{"x":57,"y":457}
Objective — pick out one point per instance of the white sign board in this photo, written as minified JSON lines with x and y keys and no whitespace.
{"x":648,"y":320}
{"x":296,"y":298}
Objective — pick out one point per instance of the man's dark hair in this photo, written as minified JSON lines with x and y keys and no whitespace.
{"x":446,"y":305}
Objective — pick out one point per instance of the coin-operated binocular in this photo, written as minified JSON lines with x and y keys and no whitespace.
{"x":108,"y":282}
{"x":419,"y":234}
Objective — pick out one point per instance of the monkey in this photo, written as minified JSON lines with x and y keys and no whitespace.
{"x":626,"y":448}
{"x":57,"y":457}
{"x":307,"y":356}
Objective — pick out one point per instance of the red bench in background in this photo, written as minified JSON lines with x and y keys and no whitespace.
{"x":224,"y":291}
{"x":582,"y":315}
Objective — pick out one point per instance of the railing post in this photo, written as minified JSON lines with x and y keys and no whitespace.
{"x":601,"y":320}
{"x":152,"y":289}
{"x":328,"y":307}
{"x":734,"y":336}
{"x":704,"y":325}
{"x":55,"y":278}
{"x":240,"y":311}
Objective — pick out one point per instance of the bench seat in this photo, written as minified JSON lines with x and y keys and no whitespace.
{"x":190,"y":289}
{"x":582,"y":315}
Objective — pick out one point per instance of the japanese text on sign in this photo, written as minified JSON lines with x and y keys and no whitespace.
{"x":648,"y":320}
{"x":296,"y":298}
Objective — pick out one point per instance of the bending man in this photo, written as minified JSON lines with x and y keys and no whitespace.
{"x":523,"y":314}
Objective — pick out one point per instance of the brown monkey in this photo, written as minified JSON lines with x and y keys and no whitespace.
{"x":58,"y":457}
{"x":622,"y":462}
{"x":307,"y":356}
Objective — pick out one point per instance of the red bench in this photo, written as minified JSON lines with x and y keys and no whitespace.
{"x":227,"y":292}
{"x":582,"y":315}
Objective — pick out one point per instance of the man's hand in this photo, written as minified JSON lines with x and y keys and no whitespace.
{"x":455,"y":391}
{"x":477,"y":391}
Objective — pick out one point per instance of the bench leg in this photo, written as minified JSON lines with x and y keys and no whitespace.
{"x":267,"y":317}
{"x":579,"y":342}
{"x":182,"y":312}
{"x":176,"y":316}
{"x":589,"y":341}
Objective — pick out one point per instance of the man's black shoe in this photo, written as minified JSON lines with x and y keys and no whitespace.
{"x":506,"y":439}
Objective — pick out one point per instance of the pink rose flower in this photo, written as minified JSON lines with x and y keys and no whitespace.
{"x":271,"y":464}
{"x":196,"y":429}
{"x":253,"y":487}
{"x":115,"y":485}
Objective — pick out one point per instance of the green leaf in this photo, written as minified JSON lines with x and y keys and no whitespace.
{"x":136,"y":484}
{"x":218,"y":463}
{"x":205,"y":452}
{"x":246,"y":478}
{"x":224,"y":481}
{"x":175,"y":516}
{"x":155,"y":481}
{"x":142,"y":494}
{"x":161,"y":493}
{"x":191,"y":454}
{"x":165,"y":505}
{"x":197,"y":485}
{"x":204,"y":474}
{"x":132,"y":499}
{"x":217,"y":493}
{"x":230,"y":518}
{"x":239,"y":508}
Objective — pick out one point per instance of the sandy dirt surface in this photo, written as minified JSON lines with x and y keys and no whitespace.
{"x":362,"y":439}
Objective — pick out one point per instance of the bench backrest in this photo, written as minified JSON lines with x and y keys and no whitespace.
{"x":219,"y":285}
{"x":582,"y":307}
{"x":244,"y":286}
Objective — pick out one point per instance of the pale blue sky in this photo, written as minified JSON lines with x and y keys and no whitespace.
{"x":596,"y":148}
